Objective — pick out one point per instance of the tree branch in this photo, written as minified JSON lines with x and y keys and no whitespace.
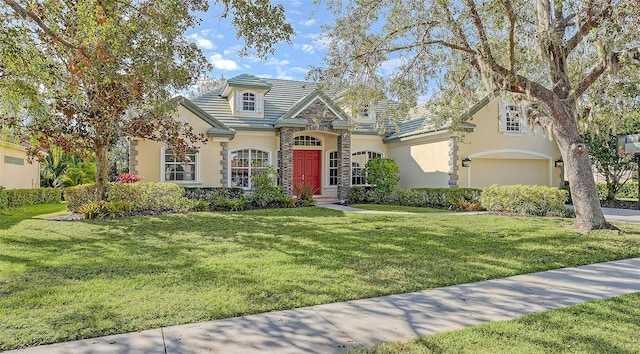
{"x":43,"y":26}
{"x":512,"y":44}
{"x":458,"y":34}
{"x":590,"y":23}
{"x":482,"y":35}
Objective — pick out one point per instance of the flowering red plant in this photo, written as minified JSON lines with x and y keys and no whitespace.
{"x":128,"y":178}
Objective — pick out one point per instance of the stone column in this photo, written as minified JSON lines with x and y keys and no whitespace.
{"x":453,"y":162}
{"x":286,"y":160}
{"x":224,"y":164}
{"x":344,"y":158}
{"x":133,"y":157}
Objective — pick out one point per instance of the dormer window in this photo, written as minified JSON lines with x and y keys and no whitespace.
{"x":365,"y":112}
{"x":248,"y":102}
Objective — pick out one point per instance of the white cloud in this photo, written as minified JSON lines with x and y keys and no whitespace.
{"x":276,"y":62}
{"x":233,"y":50}
{"x":296,"y":3}
{"x":308,"y":48}
{"x":202,"y":42}
{"x":299,"y":70}
{"x":309,"y":22}
{"x":246,"y":66}
{"x":390,"y":66}
{"x":224,"y":64}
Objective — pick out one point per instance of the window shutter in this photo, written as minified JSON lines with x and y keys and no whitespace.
{"x":502,"y":119}
{"x":238,"y":101}
{"x":259,"y":98}
{"x":524,"y":122}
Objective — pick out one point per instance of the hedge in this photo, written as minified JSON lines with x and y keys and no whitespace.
{"x":142,"y":196}
{"x":14,"y":198}
{"x":530,"y":200}
{"x":212,"y":193}
{"x":443,"y":198}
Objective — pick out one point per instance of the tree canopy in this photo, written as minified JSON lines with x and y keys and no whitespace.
{"x":83,"y":75}
{"x":544,"y":53}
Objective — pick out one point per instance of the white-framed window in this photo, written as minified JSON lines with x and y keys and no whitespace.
{"x":306,"y":140}
{"x":174,"y":170}
{"x":359,"y":161}
{"x":334,"y":168}
{"x":512,"y":119}
{"x":248,"y":101}
{"x":245,"y":164}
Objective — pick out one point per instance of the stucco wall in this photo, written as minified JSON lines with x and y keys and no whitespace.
{"x":423,"y":162}
{"x":369,"y":142}
{"x":525,"y":158}
{"x":15,"y":171}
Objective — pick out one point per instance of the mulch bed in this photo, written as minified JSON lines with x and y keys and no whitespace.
{"x":619,"y":204}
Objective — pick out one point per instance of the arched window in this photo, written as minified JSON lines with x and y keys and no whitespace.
{"x":358,"y":163}
{"x":306,"y":140}
{"x":248,"y":101}
{"x":245,"y":164}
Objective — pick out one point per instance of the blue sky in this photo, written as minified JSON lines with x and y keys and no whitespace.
{"x":217,"y":39}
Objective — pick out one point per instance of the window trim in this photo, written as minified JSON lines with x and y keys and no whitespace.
{"x":351,"y":166}
{"x":312,"y":139}
{"x":269,"y":163}
{"x":328,"y":170}
{"x":257,"y":102}
{"x":522,"y":122}
{"x":197,"y":180}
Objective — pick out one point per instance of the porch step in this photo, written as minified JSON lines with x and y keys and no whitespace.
{"x":325,"y":200}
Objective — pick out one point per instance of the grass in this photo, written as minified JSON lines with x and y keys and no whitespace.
{"x":409,"y":209}
{"x":604,"y":326}
{"x":62,"y":281}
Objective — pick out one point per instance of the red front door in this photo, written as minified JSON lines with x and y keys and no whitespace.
{"x":306,"y":169}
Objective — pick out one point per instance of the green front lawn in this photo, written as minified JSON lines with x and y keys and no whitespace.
{"x":61,"y":281}
{"x":605,"y":326}
{"x":409,"y":209}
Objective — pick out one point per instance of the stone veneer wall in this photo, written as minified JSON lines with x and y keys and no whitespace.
{"x":320,"y":118}
{"x":133,"y":157}
{"x":344,"y":158}
{"x":453,"y":162}
{"x":224,"y":163}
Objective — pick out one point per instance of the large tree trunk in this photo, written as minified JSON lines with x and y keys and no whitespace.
{"x":102,"y":171}
{"x":577,"y":163}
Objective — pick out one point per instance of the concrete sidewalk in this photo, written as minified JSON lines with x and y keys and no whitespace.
{"x":337,"y":327}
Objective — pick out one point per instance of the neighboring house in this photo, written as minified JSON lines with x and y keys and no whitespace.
{"x":256,"y":122}
{"x":16,"y":172}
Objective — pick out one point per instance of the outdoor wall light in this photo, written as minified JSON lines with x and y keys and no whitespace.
{"x":559,"y":163}
{"x":466,"y":162}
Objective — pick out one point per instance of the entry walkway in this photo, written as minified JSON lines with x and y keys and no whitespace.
{"x":342,"y":326}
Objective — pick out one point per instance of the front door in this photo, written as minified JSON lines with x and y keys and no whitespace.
{"x":306,"y":169}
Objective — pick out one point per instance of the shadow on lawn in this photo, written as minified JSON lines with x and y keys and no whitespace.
{"x":277,"y":259}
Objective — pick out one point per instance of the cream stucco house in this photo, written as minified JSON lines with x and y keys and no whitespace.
{"x":16,"y":172}
{"x":255,"y":122}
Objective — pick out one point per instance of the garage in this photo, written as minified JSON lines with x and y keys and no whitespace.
{"x":485,"y":172}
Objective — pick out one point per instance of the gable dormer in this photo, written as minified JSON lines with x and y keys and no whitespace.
{"x":245,"y":94}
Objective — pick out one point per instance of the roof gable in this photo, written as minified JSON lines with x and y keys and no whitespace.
{"x":218,"y":129}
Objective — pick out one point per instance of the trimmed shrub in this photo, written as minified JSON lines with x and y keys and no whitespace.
{"x":356,"y":195}
{"x":150,"y":196}
{"x":266,"y":191}
{"x":77,"y":196}
{"x":382,"y":174}
{"x":14,"y":198}
{"x":224,"y":204}
{"x":212,"y":193}
{"x":530,"y":200}
{"x":445,"y":198}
